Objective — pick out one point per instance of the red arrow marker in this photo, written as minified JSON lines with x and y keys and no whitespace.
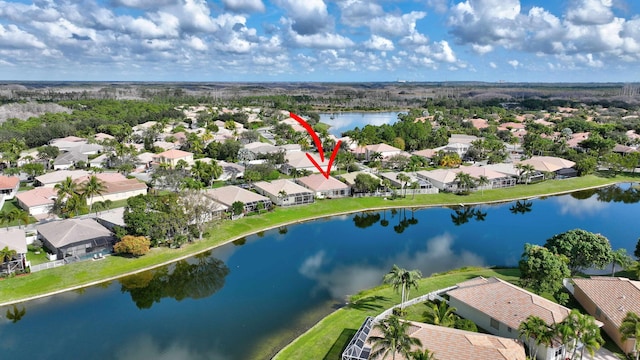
{"x":318,"y":143}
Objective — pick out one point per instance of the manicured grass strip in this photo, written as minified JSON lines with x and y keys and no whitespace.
{"x":89,"y":272}
{"x":329,"y":337}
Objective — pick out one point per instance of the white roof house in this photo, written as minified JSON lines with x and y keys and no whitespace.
{"x":285,"y":192}
{"x":228,"y":195}
{"x":52,"y":178}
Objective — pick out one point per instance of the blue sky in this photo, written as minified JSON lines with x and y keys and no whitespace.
{"x":321,"y":40}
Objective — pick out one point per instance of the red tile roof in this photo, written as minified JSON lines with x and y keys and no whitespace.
{"x":9,"y":182}
{"x":614,"y":296}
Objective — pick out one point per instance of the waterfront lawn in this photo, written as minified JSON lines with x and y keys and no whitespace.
{"x":328,"y":338}
{"x":84,"y":273}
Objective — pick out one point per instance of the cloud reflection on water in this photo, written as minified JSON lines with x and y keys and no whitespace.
{"x":342,"y":280}
{"x":580,"y":207}
{"x":145,"y":347}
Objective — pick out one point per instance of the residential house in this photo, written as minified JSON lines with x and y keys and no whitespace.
{"x":299,"y":161}
{"x":75,"y":237}
{"x":37,"y":202}
{"x":53,"y":178}
{"x":443,"y":179}
{"x":117,"y":187}
{"x":284,"y":192}
{"x":9,"y":186}
{"x":99,"y":162}
{"x":424,"y":185}
{"x":350,"y":178}
{"x":458,"y":143}
{"x":623,"y":149}
{"x":608,"y":299}
{"x":384,"y":150}
{"x":100,"y":137}
{"x":16,"y":240}
{"x":325,"y":187}
{"x":445,"y":343}
{"x":172,"y":157}
{"x":227,"y":195}
{"x":256,"y":149}
{"x":69,"y":159}
{"x":165,"y":145}
{"x":230,"y":171}
{"x":499,"y":307}
{"x":550,"y":164}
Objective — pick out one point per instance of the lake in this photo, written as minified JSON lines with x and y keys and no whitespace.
{"x":343,"y":121}
{"x":242,"y":299}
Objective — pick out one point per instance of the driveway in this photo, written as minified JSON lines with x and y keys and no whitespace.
{"x":603,"y":354}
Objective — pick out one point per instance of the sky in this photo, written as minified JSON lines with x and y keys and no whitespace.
{"x":321,"y":40}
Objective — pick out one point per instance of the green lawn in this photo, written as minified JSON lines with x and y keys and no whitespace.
{"x":84,"y":273}
{"x":327,"y":339}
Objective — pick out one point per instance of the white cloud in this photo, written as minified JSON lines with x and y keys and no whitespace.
{"x":307,"y":17}
{"x":321,"y":41}
{"x":244,"y":5}
{"x":590,"y":12}
{"x":379,"y":43}
{"x":13,"y":37}
{"x":514,"y":63}
{"x":396,"y":25}
{"x":493,"y":65}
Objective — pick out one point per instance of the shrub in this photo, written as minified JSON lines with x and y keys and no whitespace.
{"x":134,"y":245}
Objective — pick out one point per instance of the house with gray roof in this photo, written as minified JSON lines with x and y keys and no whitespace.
{"x":75,"y":237}
{"x":68,"y":160}
{"x":52,"y":178}
{"x":284,"y":192}
{"x":227,"y":195}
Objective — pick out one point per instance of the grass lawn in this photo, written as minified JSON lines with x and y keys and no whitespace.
{"x":36,"y":259}
{"x":327,"y":339}
{"x":84,"y":273}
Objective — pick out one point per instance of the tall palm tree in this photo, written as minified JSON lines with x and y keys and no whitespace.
{"x":630,"y":329}
{"x":579,"y":328}
{"x":393,"y":339}
{"x":402,"y":279}
{"x":92,"y":187}
{"x":533,"y":330}
{"x":620,"y":257}
{"x":440,"y":314}
{"x":216,"y":171}
{"x":525,"y":171}
{"x":66,"y":188}
{"x":403,"y":178}
{"x":481,"y":181}
{"x":590,"y":337}
{"x":20,"y":215}
{"x":465,"y":181}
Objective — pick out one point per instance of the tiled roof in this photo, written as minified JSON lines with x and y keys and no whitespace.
{"x":507,"y":303}
{"x":38,"y":196}
{"x":453,"y":344}
{"x":9,"y":182}
{"x":317,"y":182}
{"x":65,"y":232}
{"x":227,"y":195}
{"x":548,"y":163}
{"x":60,"y":175}
{"x":288,"y":186}
{"x":174,"y":154}
{"x":14,"y":239}
{"x":381,"y":148}
{"x":614,"y":296}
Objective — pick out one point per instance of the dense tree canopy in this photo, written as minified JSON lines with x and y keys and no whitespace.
{"x":542,"y":270}
{"x":584,"y":249}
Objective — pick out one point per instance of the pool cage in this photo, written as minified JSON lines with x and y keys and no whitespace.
{"x":357,"y":348}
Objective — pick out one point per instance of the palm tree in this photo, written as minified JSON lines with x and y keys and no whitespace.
{"x":620,"y":257}
{"x":630,"y":329}
{"x":425,"y":354}
{"x":92,"y":187}
{"x":465,"y":181}
{"x":66,"y":188}
{"x":216,"y":171}
{"x":440,"y":314}
{"x":403,"y":279}
{"x":403,"y":178}
{"x":6,"y":255}
{"x":533,"y":330}
{"x":579,"y":328}
{"x":525,"y":171}
{"x":481,"y":181}
{"x":20,"y":215}
{"x":393,"y":340}
{"x":414,"y":186}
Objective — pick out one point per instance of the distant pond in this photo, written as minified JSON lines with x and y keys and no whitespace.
{"x":344,"y":121}
{"x":246,"y":300}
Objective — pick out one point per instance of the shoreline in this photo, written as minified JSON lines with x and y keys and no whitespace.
{"x":293,"y":222}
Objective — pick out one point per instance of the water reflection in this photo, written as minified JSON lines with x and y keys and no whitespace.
{"x":196,"y":280}
{"x":580,"y":208}
{"x":14,"y":314}
{"x":366,"y":219}
{"x":437,"y":255}
{"x":521,"y":207}
{"x":624,"y":193}
{"x":145,"y":347}
{"x":403,"y":222}
{"x":462,"y":216}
